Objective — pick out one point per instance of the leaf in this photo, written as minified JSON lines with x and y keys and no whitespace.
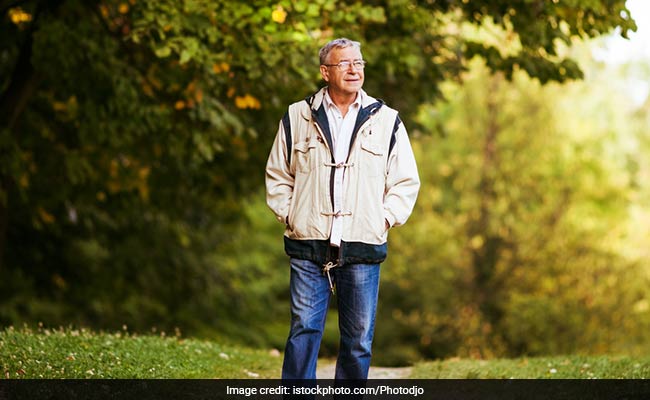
{"x":185,"y":56}
{"x":279,"y":15}
{"x":163,"y":52}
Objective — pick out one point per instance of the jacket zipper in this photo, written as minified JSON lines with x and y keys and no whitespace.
{"x":329,"y":265}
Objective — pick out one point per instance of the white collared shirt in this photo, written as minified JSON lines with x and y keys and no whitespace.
{"x":341,"y":128}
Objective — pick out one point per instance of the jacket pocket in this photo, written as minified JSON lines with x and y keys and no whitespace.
{"x":305,"y":156}
{"x":371,"y":159}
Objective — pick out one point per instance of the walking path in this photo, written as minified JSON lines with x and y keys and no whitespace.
{"x":326,"y":371}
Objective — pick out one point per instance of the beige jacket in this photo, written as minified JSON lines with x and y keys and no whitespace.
{"x":380,"y":184}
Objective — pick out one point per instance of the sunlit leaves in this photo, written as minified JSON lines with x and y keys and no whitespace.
{"x":18,"y":16}
{"x":221,"y":67}
{"x":279,"y":15}
{"x":247,"y":101}
{"x":123,"y":8}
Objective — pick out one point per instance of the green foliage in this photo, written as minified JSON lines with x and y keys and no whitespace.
{"x":79,"y":353}
{"x":133,"y":135}
{"x":516,"y":244}
{"x":214,"y":281}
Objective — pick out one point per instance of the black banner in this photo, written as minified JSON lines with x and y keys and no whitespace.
{"x":379,"y":389}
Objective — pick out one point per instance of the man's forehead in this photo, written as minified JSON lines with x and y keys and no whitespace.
{"x":346,"y":53}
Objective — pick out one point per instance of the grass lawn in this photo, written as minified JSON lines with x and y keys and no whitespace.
{"x":561,"y":367}
{"x":71,"y":353}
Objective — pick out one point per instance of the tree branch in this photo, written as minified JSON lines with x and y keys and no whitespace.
{"x":124,"y":49}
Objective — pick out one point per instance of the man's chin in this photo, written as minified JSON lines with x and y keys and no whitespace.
{"x":353,"y":88}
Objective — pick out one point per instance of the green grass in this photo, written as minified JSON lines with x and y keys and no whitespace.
{"x":72,"y":353}
{"x":561,"y":367}
{"x":80,"y":353}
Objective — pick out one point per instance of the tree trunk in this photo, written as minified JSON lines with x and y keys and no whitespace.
{"x":4,"y":222}
{"x":13,"y":101}
{"x":486,"y":255}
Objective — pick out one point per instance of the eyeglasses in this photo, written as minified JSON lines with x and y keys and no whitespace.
{"x":345,"y":65}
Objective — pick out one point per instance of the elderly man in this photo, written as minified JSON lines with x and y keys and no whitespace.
{"x":340,"y":174}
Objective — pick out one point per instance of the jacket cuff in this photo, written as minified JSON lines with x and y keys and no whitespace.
{"x":390,"y":218}
{"x":283,"y":218}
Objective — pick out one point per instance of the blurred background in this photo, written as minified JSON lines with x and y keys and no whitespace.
{"x":133,"y":138}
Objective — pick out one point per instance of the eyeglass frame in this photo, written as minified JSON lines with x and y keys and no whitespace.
{"x":345,"y":65}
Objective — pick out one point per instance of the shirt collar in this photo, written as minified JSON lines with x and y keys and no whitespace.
{"x":329,"y":103}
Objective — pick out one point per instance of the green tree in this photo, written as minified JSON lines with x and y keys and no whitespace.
{"x":523,"y":217}
{"x":131,"y":130}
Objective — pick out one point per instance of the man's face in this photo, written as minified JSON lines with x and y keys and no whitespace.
{"x":348,"y":81}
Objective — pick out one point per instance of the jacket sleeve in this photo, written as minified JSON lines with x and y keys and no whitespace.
{"x":402,"y":180}
{"x":279,"y":178}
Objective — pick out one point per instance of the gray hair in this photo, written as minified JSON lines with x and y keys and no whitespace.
{"x":340,"y":43}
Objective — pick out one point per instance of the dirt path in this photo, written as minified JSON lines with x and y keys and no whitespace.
{"x":326,"y":371}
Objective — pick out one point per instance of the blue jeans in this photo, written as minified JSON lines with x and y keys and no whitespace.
{"x":357,"y":287}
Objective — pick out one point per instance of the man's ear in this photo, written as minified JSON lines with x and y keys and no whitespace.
{"x":324,"y":72}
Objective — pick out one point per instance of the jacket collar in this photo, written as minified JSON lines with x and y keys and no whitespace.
{"x":369,"y":106}
{"x":316,"y":100}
